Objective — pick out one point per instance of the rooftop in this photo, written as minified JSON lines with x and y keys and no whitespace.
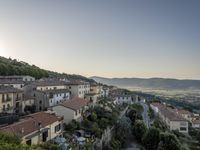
{"x":75,"y":103}
{"x":6,"y":81}
{"x":185,"y":112}
{"x":30,"y":124}
{"x":168,"y":112}
{"x":54,"y":91}
{"x":196,"y":120}
{"x":8,"y":89}
{"x":76,"y":83}
{"x":49,"y":83}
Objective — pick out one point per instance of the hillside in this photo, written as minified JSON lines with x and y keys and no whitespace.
{"x":154,"y":83}
{"x":10,"y":66}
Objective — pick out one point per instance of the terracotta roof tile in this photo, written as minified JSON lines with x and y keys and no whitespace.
{"x":30,"y":124}
{"x":75,"y":103}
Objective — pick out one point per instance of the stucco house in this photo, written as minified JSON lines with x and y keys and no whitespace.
{"x":169,"y":116}
{"x":78,"y":88}
{"x":36,"y":128}
{"x":10,"y":99}
{"x":72,"y":109}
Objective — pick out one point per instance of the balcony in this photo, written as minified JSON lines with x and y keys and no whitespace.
{"x":18,"y":98}
{"x":8,"y":99}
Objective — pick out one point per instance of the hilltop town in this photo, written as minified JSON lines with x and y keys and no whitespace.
{"x":79,"y":114}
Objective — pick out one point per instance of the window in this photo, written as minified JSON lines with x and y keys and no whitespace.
{"x":76,"y":113}
{"x":40,"y":102}
{"x":3,"y":97}
{"x":4,"y":108}
{"x":29,"y":142}
{"x":183,"y":129}
{"x":40,"y":108}
{"x":57,"y":128}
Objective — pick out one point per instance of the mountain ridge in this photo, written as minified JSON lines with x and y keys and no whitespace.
{"x":156,"y":83}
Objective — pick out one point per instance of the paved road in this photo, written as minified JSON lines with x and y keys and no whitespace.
{"x":145,"y":114}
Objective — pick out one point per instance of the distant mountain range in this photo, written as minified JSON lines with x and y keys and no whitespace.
{"x":154,"y":83}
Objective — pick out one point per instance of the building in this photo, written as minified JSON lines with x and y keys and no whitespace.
{"x":72,"y":109}
{"x":173,"y":120}
{"x":185,"y":114}
{"x":78,"y":88}
{"x":10,"y":99}
{"x":49,"y":98}
{"x":121,"y":99}
{"x":18,"y":84}
{"x":105,"y":91}
{"x":196,"y":122}
{"x":28,"y":104}
{"x":92,"y":97}
{"x":36,"y":128}
{"x":18,"y":78}
{"x":47,"y":93}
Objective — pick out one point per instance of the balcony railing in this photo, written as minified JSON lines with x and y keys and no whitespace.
{"x":8,"y":99}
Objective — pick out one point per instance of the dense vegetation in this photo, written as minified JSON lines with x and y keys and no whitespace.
{"x":9,"y":142}
{"x":14,"y":67}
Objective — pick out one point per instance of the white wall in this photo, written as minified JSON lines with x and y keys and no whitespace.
{"x":58,"y":98}
{"x":79,"y":90}
{"x":123,"y":99}
{"x":67,"y":113}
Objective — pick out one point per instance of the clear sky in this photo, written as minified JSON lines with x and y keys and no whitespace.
{"x":109,"y":38}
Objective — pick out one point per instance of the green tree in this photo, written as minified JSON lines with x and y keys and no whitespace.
{"x":123,"y":129}
{"x":139,"y":130}
{"x":152,"y":139}
{"x":168,"y":141}
{"x":198,"y":135}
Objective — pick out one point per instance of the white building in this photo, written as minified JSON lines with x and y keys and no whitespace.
{"x":173,"y":120}
{"x":121,"y":99}
{"x":78,"y":88}
{"x":36,"y":128}
{"x":47,"y":93}
{"x":105,"y":92}
{"x":49,"y":98}
{"x":72,"y":109}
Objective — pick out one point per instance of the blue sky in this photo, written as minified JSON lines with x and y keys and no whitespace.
{"x":110,"y":38}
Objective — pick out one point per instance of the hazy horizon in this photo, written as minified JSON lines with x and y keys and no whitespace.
{"x":114,"y":39}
